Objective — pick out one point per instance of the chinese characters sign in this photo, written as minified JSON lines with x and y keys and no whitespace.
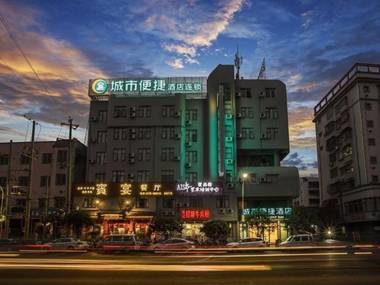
{"x":195,"y":214}
{"x":275,"y":212}
{"x":200,"y":187}
{"x":124,"y":189}
{"x":147,"y":86}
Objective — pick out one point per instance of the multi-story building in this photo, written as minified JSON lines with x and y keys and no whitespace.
{"x":348,"y":133}
{"x":49,"y":179}
{"x":309,"y":193}
{"x":179,"y":146}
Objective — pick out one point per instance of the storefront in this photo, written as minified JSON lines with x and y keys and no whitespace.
{"x":134,"y":223}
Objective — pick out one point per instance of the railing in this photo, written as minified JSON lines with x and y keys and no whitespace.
{"x":357,"y":68}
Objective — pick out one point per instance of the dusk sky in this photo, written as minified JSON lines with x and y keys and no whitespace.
{"x":307,"y":44}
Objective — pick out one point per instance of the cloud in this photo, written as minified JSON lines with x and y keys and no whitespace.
{"x":296,"y":160}
{"x":181,"y":49}
{"x":301,"y":127}
{"x":175,"y":63}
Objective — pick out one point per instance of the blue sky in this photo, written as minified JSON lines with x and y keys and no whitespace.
{"x":308,"y":44}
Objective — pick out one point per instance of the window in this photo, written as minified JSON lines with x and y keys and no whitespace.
{"x":101,"y":158}
{"x":4,"y":159}
{"x":143,"y":175}
{"x":167,"y":175}
{"x":246,"y":112}
{"x":371,"y":141}
{"x":167,"y":153}
{"x":116,"y":134}
{"x":333,"y":172}
{"x":247,"y":133}
{"x":368,"y":106}
{"x":60,"y":179}
{"x":272,"y":133}
{"x":46,"y":158}
{"x":118,"y":176}
{"x":168,"y":111}
{"x":3,"y":181}
{"x":120,"y":112}
{"x":119,"y":154}
{"x":141,"y":203}
{"x":191,"y":156}
{"x":42,"y":203}
{"x":366,"y":89}
{"x":144,"y":111}
{"x":191,"y":135}
{"x":144,"y":133}
{"x":375,"y":179}
{"x":44,"y":181}
{"x":101,"y":137}
{"x":271,"y":113}
{"x":24,"y":158}
{"x":223,"y":202}
{"x":373,"y":160}
{"x":270,"y":92}
{"x":192,"y":176}
{"x":168,"y":203}
{"x":168,"y":132}
{"x":62,"y":156}
{"x":59,"y":202}
{"x":89,"y":202}
{"x":144,"y":154}
{"x":100,"y":177}
{"x":191,"y":115}
{"x":23,"y":181}
{"x":102,"y":116}
{"x":369,"y":124}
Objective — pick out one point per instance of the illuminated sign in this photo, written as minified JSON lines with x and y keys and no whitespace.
{"x":125,"y":189}
{"x":275,"y":212}
{"x":147,"y":86}
{"x":200,"y":187}
{"x":195,"y":214}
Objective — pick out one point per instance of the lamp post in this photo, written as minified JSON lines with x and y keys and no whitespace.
{"x":244,"y":177}
{"x":2,"y":217}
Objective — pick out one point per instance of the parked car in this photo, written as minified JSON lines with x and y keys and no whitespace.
{"x":248,"y":242}
{"x":68,"y":243}
{"x":174,"y":243}
{"x":299,"y":240}
{"x":112,"y":243}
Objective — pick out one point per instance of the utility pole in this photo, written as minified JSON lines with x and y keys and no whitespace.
{"x":29,"y":192}
{"x":69,"y":176}
{"x":8,"y":190}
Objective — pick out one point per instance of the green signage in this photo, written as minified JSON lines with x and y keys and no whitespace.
{"x":280,"y":212}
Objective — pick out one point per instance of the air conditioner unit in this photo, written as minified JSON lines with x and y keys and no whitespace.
{"x":132,"y":131}
{"x":94,"y":119}
{"x":92,"y":161}
{"x":229,"y":161}
{"x":177,"y":158}
{"x":132,"y":155}
{"x":132,"y":161}
{"x":228,"y":116}
{"x":239,"y":136}
{"x":263,"y":136}
{"x":262,"y":116}
{"x":262,"y":94}
{"x":132,"y":115}
{"x":263,"y":180}
{"x":188,"y":165}
{"x":178,"y":204}
{"x":131,"y":175}
{"x":237,"y":94}
{"x":230,"y":185}
{"x":238,"y":115}
{"x":177,"y":114}
{"x":186,"y":205}
{"x":230,"y":211}
{"x":222,"y":211}
{"x":93,"y":140}
{"x":177,"y":136}
{"x":188,"y":123}
{"x":188,"y":143}
{"x":132,"y":109}
{"x":228,"y":139}
{"x":132,"y":136}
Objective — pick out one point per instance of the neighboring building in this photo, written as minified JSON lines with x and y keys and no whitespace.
{"x":49,"y":179}
{"x":309,"y":193}
{"x":348,"y":136}
{"x":178,"y":146}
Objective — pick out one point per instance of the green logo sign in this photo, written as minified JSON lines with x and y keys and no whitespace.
{"x":99,"y":86}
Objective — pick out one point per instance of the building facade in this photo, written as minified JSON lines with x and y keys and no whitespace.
{"x":180,"y":145}
{"x":309,"y":193}
{"x":348,"y":133}
{"x":49,"y":181}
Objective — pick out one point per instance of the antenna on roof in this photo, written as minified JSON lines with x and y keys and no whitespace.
{"x":262,"y":73}
{"x":238,"y":62}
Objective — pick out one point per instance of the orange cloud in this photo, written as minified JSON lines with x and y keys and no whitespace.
{"x":301,"y":128}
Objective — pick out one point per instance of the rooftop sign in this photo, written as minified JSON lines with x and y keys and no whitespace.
{"x":99,"y":88}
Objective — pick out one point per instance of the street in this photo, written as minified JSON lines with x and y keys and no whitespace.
{"x":331,"y":267}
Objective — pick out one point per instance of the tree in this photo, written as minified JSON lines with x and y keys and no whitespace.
{"x":165,"y":226}
{"x":77,"y":220}
{"x":261,"y":221}
{"x":216,"y":231}
{"x":303,"y":220}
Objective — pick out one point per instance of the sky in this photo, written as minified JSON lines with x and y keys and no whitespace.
{"x":308,"y":44}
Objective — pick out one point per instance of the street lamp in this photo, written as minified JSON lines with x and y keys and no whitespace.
{"x":244,"y":177}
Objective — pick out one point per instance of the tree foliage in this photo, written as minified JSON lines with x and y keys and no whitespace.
{"x":216,"y":231}
{"x":166,"y":226}
{"x":261,"y":221}
{"x":78,"y":219}
{"x":303,"y":220}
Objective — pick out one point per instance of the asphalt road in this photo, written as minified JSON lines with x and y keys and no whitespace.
{"x":273,"y":268}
